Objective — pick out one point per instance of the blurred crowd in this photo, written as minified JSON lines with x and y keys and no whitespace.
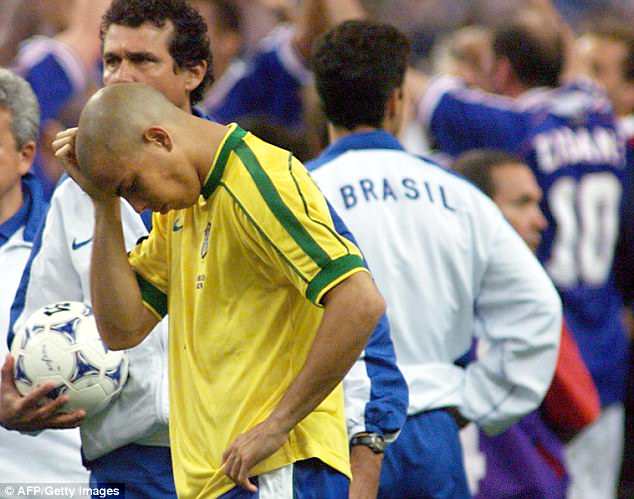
{"x":262,"y":77}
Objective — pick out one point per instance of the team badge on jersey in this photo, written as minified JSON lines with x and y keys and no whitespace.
{"x":205,"y":246}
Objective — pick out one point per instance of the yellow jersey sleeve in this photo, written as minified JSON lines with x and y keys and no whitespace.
{"x":286,"y":215}
{"x":149,"y":260}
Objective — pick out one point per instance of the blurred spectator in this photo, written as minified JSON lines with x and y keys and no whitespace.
{"x":527,"y":460}
{"x":468,"y":54}
{"x":270,"y":82}
{"x":60,"y":69}
{"x":224,"y":23}
{"x":606,"y":52}
{"x":21,"y":19}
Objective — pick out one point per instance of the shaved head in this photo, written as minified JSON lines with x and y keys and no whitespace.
{"x":134,"y":143}
{"x":113,"y":123}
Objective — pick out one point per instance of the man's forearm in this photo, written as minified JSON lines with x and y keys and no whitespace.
{"x":115,"y":293}
{"x":366,"y":472}
{"x":352,"y":310}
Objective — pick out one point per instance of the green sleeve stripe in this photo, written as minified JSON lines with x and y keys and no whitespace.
{"x":331,"y":273}
{"x":329,"y":228}
{"x":152,"y":296}
{"x":218,"y":168}
{"x":283,"y":214}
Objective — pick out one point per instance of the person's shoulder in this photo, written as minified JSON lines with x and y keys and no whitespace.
{"x":40,"y":49}
{"x":439,"y":166}
{"x":577,"y":98}
{"x":277,"y":37}
{"x":268,"y":155}
{"x":67,"y":189}
{"x":449,"y":85}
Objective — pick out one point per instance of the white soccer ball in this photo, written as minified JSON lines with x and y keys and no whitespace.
{"x":60,"y":343}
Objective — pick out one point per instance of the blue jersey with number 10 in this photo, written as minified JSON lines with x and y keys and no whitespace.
{"x":568,"y":137}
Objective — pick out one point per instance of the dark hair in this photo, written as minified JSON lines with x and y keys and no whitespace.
{"x":189,"y":44}
{"x":228,"y":15}
{"x":477,"y":165}
{"x":621,"y":33}
{"x":357,"y":65}
{"x":537,"y":60}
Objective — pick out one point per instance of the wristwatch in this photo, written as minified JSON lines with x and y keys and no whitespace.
{"x":374,"y":441}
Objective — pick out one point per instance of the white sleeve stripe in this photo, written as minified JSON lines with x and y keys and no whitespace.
{"x":223,"y":86}
{"x":40,"y":47}
{"x":428,"y":103}
{"x":292,"y":61}
{"x":444,"y":84}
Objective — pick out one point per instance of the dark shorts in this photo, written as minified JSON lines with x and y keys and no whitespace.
{"x":144,"y":471}
{"x":425,"y":461}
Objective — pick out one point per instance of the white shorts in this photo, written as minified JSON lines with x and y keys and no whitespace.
{"x":594,"y":457}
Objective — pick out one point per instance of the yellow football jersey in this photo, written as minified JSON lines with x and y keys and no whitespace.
{"x":241,"y":274}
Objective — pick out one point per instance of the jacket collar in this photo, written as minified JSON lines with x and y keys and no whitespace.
{"x":377,"y":139}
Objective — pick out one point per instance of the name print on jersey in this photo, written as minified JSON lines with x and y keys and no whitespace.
{"x":384,"y":190}
{"x":564,"y":146}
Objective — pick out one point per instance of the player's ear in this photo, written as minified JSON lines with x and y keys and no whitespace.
{"x":158,"y":136}
{"x":394,"y":104}
{"x":194,"y":75}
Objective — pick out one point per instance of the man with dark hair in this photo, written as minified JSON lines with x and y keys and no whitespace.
{"x":174,"y":25}
{"x":568,"y":135}
{"x":446,"y":261}
{"x":367,"y":104}
{"x":162,"y":43}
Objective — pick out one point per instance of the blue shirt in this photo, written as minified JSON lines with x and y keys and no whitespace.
{"x":56,"y":76}
{"x":568,"y":137}
{"x":19,"y":219}
{"x":266,"y":85}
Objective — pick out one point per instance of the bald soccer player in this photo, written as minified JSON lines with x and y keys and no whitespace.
{"x":268,"y":306}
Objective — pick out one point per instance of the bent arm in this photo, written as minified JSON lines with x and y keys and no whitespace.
{"x":122,"y":319}
{"x":519,"y":316}
{"x":352,"y":310}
